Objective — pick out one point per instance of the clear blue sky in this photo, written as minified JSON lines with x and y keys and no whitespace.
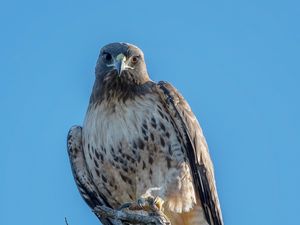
{"x":236,"y":62}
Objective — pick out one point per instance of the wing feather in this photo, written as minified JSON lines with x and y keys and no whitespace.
{"x":85,"y":184}
{"x":197,"y":150}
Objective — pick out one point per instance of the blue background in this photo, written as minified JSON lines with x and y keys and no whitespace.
{"x":236,"y":62}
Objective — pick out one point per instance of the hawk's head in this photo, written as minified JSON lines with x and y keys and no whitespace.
{"x":122,"y":63}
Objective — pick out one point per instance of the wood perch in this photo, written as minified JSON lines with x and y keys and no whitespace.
{"x":122,"y":217}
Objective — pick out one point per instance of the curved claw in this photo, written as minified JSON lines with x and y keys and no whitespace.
{"x":141,"y":202}
{"x":158,"y":203}
{"x":153,"y":204}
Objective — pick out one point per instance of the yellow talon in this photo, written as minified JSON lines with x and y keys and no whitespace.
{"x":158,"y":202}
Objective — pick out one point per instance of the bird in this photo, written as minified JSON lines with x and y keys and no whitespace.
{"x":140,"y":137}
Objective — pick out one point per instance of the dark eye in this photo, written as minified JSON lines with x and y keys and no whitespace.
{"x":106,"y":57}
{"x":135,"y":59}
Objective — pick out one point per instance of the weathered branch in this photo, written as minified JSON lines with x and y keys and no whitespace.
{"x":132,"y":217}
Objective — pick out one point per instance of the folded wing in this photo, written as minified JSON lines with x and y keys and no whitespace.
{"x":197,"y":151}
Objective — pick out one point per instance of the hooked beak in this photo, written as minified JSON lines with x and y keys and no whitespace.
{"x":119,"y":63}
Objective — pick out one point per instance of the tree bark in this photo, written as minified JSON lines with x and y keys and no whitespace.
{"x":125,"y":217}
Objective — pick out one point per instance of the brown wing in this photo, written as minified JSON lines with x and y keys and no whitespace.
{"x":197,"y":150}
{"x":85,"y":184}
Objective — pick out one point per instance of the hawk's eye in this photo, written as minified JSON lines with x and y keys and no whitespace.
{"x":134,"y":59}
{"x":106,"y":57}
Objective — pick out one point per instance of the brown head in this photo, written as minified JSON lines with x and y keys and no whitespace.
{"x":120,"y":70}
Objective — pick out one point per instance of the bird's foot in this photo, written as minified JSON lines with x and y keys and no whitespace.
{"x":149,"y":203}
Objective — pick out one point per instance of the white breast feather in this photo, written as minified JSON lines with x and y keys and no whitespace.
{"x":107,"y":126}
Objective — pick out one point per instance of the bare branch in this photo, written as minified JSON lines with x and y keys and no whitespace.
{"x":66,"y":221}
{"x":132,"y":217}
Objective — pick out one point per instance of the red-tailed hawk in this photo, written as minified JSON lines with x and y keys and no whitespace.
{"x":139,"y":136}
